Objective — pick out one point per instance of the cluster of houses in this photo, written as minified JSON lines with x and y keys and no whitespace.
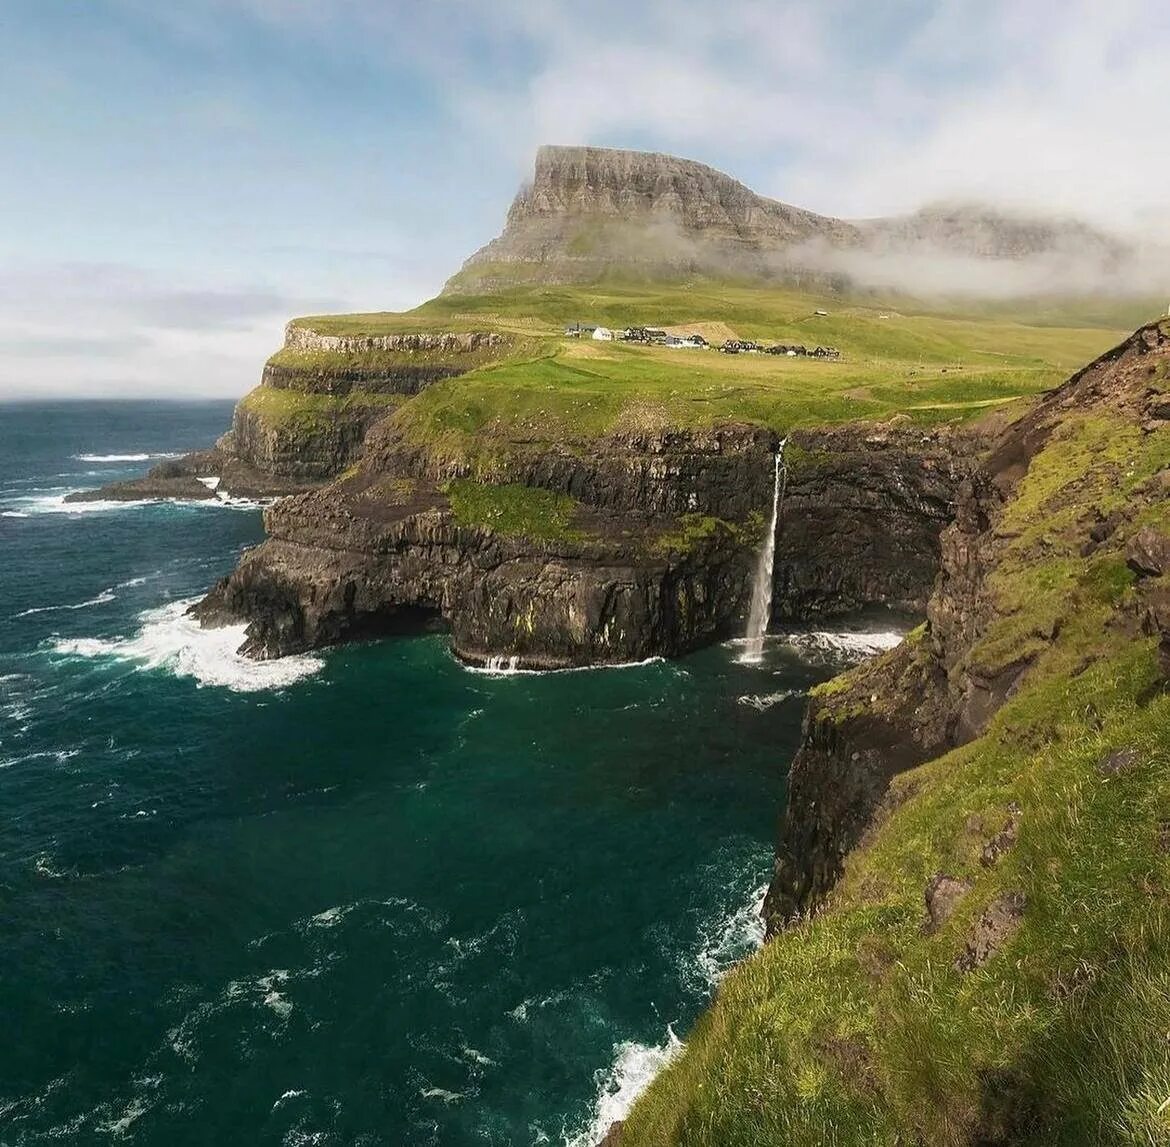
{"x":743,"y":346}
{"x":649,"y":335}
{"x":655,"y":337}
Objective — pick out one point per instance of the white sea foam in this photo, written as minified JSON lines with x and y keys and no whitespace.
{"x":732,"y":939}
{"x":103,"y":598}
{"x":13,"y":514}
{"x":170,"y":640}
{"x":55,"y":503}
{"x":120,"y":457}
{"x":826,"y":645}
{"x":634,"y":1067}
{"x":765,"y":701}
{"x":210,"y":483}
{"x":728,"y":941}
{"x":478,"y":1058}
{"x":441,"y":1093}
{"x":847,"y":643}
{"x":508,"y":667}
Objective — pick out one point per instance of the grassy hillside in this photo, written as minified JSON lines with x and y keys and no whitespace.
{"x":868,"y":1025}
{"x":930,"y":366}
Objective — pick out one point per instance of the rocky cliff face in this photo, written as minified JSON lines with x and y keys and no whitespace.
{"x":308,"y":419}
{"x":591,"y":208}
{"x":653,"y":557}
{"x":592,"y":212}
{"x":942,"y":687}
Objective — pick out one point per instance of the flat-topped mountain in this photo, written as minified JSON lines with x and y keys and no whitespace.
{"x":591,"y":213}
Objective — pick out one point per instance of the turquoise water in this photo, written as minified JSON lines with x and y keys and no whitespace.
{"x":365,"y":898}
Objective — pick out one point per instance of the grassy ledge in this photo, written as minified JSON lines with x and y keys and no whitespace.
{"x":514,"y":510}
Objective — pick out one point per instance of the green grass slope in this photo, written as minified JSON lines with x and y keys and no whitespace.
{"x":867,"y":1026}
{"x":929,"y":364}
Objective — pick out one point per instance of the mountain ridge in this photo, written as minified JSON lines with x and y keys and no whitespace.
{"x":589,"y":213}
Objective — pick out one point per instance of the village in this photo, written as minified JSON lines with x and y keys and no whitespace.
{"x":653,"y":336}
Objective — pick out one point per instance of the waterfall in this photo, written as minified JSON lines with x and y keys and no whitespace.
{"x":760,"y":613}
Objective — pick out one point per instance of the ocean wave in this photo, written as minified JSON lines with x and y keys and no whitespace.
{"x":634,"y":1067}
{"x":850,"y":644}
{"x":170,"y":640}
{"x":120,"y":457}
{"x":732,"y":939}
{"x":55,"y":503}
{"x":509,"y":667}
{"x":825,"y":646}
{"x":103,"y":598}
{"x":764,"y":701}
{"x":729,"y":940}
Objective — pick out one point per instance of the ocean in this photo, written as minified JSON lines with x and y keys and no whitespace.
{"x":367,"y":896}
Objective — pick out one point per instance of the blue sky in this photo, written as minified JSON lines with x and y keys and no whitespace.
{"x":181,"y":178}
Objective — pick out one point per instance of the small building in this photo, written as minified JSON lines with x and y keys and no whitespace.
{"x":603,"y":334}
{"x":696,"y":339}
{"x":654,"y":335}
{"x":821,"y":314}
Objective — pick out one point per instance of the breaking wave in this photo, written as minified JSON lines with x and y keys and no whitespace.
{"x":847,"y":644}
{"x":762,"y":702}
{"x":56,"y":504}
{"x":103,"y":598}
{"x":733,"y":939}
{"x":728,"y":941}
{"x":170,"y":640}
{"x":633,"y":1069}
{"x":509,"y":667}
{"x":120,"y":457}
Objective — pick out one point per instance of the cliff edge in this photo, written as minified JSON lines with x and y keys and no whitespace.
{"x":970,"y":912}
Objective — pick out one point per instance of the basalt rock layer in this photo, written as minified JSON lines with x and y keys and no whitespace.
{"x":653,"y":558}
{"x":308,"y":419}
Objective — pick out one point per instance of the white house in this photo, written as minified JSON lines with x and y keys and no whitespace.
{"x":603,"y":334}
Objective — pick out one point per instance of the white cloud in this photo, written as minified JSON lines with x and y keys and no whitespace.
{"x":842,"y":106}
{"x":857,"y":110}
{"x":84,"y":329}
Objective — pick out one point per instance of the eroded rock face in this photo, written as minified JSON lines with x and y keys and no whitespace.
{"x":592,"y":211}
{"x":299,"y":335}
{"x":627,"y":582}
{"x":363,"y":557}
{"x":862,"y":513}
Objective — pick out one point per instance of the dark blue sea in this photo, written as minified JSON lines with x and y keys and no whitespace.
{"x":365,"y":897}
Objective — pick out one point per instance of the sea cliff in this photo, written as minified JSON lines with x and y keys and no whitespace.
{"x":968,"y":911}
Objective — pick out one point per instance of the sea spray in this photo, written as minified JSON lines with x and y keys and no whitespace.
{"x":169,"y":639}
{"x":760,"y":613}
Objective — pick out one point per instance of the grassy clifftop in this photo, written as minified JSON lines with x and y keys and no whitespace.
{"x":994,"y":966}
{"x":929,"y":364}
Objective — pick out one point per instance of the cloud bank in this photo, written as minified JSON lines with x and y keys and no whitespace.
{"x":353,"y":152}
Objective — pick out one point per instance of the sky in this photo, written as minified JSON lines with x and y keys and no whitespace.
{"x":181,"y":178}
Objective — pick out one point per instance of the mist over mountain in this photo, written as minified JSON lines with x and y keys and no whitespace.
{"x":591,"y":213}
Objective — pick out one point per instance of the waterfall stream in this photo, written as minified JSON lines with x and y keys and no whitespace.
{"x":760,"y":613}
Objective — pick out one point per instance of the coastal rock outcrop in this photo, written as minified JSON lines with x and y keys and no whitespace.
{"x":308,"y":419}
{"x":649,"y":551}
